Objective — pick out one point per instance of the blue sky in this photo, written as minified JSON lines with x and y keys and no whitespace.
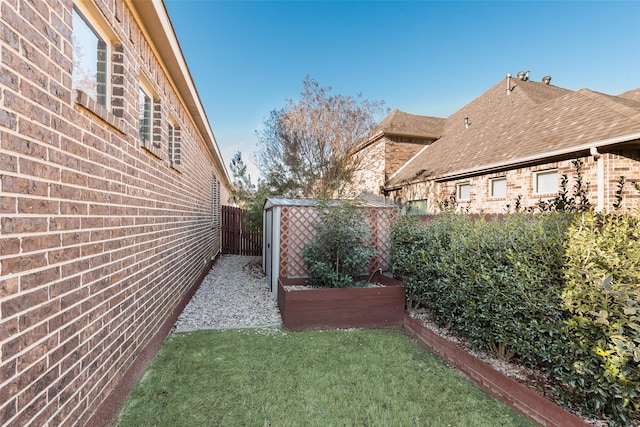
{"x":423,"y":57}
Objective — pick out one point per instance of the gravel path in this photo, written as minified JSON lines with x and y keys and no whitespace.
{"x":233,"y":295}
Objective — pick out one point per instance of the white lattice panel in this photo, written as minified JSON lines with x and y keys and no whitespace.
{"x":296,"y":230}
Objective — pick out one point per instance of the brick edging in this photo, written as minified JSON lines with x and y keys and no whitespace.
{"x":519,"y":397}
{"x":109,"y":409}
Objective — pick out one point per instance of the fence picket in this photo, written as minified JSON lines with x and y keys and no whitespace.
{"x":236,"y":239}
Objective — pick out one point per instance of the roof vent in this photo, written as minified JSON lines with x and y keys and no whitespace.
{"x":520,"y":75}
{"x":546,"y":80}
{"x":508,"y":83}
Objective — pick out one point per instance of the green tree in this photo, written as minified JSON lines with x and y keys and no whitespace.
{"x":307,"y":148}
{"x":341,"y":249}
{"x":243,"y":191}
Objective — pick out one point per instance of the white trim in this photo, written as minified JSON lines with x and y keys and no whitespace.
{"x":536,"y":174}
{"x":458,"y":192}
{"x":491,"y":189}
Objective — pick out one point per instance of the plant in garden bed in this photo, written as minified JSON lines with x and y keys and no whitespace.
{"x":602,"y":295}
{"x":340,"y":250}
{"x":557,"y":291}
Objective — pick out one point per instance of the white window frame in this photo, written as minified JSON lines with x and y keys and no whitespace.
{"x":545,"y":173}
{"x":410,"y":206}
{"x":492,"y":187}
{"x":460,"y":191}
{"x":93,"y":18}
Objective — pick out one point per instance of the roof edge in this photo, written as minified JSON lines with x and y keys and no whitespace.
{"x":152,"y":14}
{"x":524,"y":160}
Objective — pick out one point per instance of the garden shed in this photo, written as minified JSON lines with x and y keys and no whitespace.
{"x":288,"y":227}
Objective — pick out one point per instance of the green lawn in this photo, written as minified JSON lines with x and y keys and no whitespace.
{"x":271,"y":377}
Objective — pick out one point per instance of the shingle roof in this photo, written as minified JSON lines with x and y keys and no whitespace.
{"x":532,"y":122}
{"x":633,"y":94}
{"x":405,"y":124}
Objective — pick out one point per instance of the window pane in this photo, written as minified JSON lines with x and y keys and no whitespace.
{"x":89,"y":60}
{"x":464,"y":192}
{"x":547,"y":182}
{"x":145,"y":115}
{"x":417,"y":207}
{"x":499,"y":187}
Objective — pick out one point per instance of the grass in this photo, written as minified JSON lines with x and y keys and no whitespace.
{"x":270,"y":377}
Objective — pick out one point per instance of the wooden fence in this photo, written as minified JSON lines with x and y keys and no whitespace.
{"x":236,"y":239}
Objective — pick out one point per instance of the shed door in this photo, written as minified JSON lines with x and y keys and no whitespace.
{"x":268,"y":246}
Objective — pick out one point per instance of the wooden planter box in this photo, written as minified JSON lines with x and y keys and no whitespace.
{"x":318,"y":308}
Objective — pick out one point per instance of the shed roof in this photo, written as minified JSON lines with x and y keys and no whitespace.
{"x":271,"y":202}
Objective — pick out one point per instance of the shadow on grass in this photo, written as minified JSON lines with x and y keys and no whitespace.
{"x":270,"y":377}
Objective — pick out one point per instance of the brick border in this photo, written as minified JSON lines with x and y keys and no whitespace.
{"x":109,"y":409}
{"x":519,"y":397}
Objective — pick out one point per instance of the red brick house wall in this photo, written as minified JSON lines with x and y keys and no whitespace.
{"x":100,"y":234}
{"x":521,"y":182}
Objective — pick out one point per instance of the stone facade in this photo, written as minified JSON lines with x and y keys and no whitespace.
{"x":385,"y":156}
{"x":102,"y":234}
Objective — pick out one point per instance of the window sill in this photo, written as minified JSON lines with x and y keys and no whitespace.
{"x":91,"y":105}
{"x":176,"y":166}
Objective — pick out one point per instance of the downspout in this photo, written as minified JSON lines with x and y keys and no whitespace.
{"x":597,"y":156}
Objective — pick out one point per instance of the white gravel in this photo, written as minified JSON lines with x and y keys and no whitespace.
{"x":233,"y":295}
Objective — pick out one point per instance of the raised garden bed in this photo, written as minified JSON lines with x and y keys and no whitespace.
{"x":524,"y":400}
{"x":379,"y":306}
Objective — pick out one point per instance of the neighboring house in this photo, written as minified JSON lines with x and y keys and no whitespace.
{"x":394,"y":141}
{"x":515,"y":141}
{"x":111,"y":182}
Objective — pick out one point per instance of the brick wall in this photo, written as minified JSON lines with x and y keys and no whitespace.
{"x":383,"y":158}
{"x":521,"y":182}
{"x":100,"y":237}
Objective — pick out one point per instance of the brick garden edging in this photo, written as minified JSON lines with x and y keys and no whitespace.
{"x":519,"y":397}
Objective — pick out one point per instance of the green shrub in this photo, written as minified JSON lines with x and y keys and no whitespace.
{"x":496,"y":282}
{"x":602,"y":295}
{"x":341,"y":249}
{"x":559,"y":291}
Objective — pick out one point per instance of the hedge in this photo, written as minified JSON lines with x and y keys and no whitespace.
{"x":557,"y":291}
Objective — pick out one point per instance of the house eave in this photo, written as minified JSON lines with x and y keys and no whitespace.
{"x":521,"y":162}
{"x":154,"y":19}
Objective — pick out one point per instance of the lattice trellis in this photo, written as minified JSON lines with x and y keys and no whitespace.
{"x":380,"y":225}
{"x":296,"y":230}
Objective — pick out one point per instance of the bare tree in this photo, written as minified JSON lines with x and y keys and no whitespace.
{"x":307,"y":148}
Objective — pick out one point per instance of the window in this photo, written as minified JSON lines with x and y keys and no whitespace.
{"x":215,"y":202}
{"x":464,"y":191}
{"x":146,"y":108}
{"x":90,"y":53}
{"x":173,"y":144}
{"x":417,"y":207}
{"x":170,"y":141}
{"x":498,"y":187}
{"x":546,"y":181}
